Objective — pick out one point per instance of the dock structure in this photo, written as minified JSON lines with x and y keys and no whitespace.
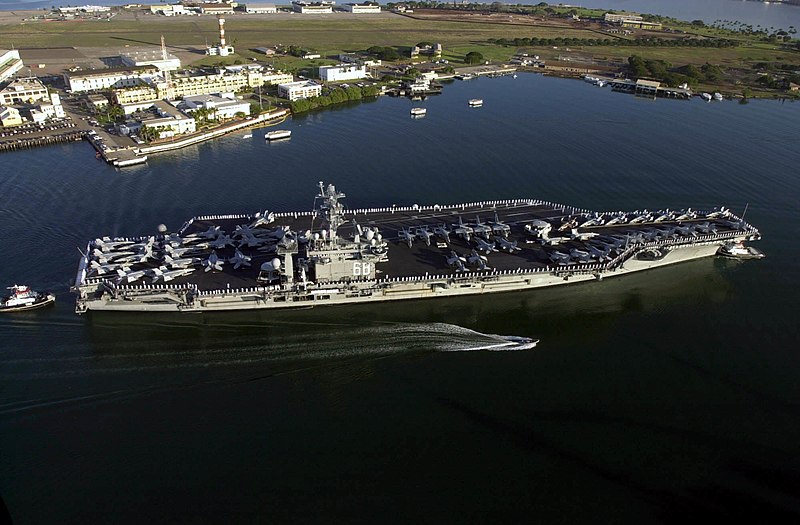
{"x":34,"y":142}
{"x":650,"y":88}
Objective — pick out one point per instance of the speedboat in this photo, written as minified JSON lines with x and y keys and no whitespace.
{"x":279,"y":134}
{"x":706,"y":96}
{"x":418,"y":112}
{"x":23,"y":298}
{"x":717,"y":96}
{"x":737,"y":250}
{"x":248,"y":136}
{"x":476,"y":102}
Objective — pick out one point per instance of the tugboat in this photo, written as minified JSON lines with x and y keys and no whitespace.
{"x":23,"y":298}
{"x":737,"y":250}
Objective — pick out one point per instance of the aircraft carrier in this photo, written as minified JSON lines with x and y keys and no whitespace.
{"x":335,"y":256}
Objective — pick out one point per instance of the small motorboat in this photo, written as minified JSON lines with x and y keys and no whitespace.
{"x":23,"y":298}
{"x":248,"y":136}
{"x":279,"y":134}
{"x":476,"y":102}
{"x":706,"y":96}
{"x":418,"y":112}
{"x":717,"y":96}
{"x":737,"y":250}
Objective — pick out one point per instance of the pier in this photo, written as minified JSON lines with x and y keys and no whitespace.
{"x":649,"y":88}
{"x":46,"y":140}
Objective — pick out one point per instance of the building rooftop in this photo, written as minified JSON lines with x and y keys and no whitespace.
{"x":111,"y":71}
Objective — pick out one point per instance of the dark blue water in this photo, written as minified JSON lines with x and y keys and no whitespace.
{"x":648,"y":397}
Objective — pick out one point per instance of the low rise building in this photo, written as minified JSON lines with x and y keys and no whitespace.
{"x":10,"y":63}
{"x":342,"y":72}
{"x":641,"y":24}
{"x":96,"y":103}
{"x":169,"y":10}
{"x":618,"y":18}
{"x":151,"y":58}
{"x":10,"y":116}
{"x":323,"y":7}
{"x":216,"y":9}
{"x":135,"y":94}
{"x":219,"y":107}
{"x":24,"y":91}
{"x":363,"y":8}
{"x":117,"y":77}
{"x":53,"y":109}
{"x":266,"y":50}
{"x":202,"y":84}
{"x":299,"y":90}
{"x":260,"y":9}
{"x":171,"y":123}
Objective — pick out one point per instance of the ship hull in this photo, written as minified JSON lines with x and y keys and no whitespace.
{"x":453,"y":285}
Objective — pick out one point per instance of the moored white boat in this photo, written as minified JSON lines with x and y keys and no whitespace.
{"x":476,"y":102}
{"x":706,"y":96}
{"x":717,"y":96}
{"x":23,"y":298}
{"x":418,"y":112}
{"x":279,"y":134}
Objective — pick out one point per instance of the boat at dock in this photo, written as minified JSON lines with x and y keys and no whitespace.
{"x":706,"y":97}
{"x":332,"y":255}
{"x":23,"y":298}
{"x":277,"y":135}
{"x":737,"y":250}
{"x":418,"y":112}
{"x":133,"y":161}
{"x":476,"y":102}
{"x":718,"y":96}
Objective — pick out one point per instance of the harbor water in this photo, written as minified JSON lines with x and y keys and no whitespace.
{"x":648,"y":397}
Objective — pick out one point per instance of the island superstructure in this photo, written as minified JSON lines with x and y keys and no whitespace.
{"x":335,"y":256}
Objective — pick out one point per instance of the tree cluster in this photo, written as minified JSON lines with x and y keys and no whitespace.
{"x":334,"y":96}
{"x":384,"y":53}
{"x":473,"y":57}
{"x":673,"y":76}
{"x":649,"y":42}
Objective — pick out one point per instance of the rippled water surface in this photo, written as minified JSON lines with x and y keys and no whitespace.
{"x":647,"y":397}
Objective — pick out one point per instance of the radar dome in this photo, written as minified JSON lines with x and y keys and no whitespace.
{"x":370,"y":234}
{"x":276,"y":263}
{"x":162,"y":228}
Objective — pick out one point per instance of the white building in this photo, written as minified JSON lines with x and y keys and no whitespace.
{"x":24,"y":91}
{"x":10,"y":63}
{"x":299,"y":90}
{"x":260,"y":9}
{"x":10,"y":116}
{"x":169,"y":10}
{"x":366,"y":7}
{"x":117,"y":77}
{"x":342,"y":72}
{"x":84,"y":9}
{"x":172,"y":121}
{"x":54,"y":109}
{"x":323,"y":7}
{"x":222,"y":108}
{"x":151,"y":58}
